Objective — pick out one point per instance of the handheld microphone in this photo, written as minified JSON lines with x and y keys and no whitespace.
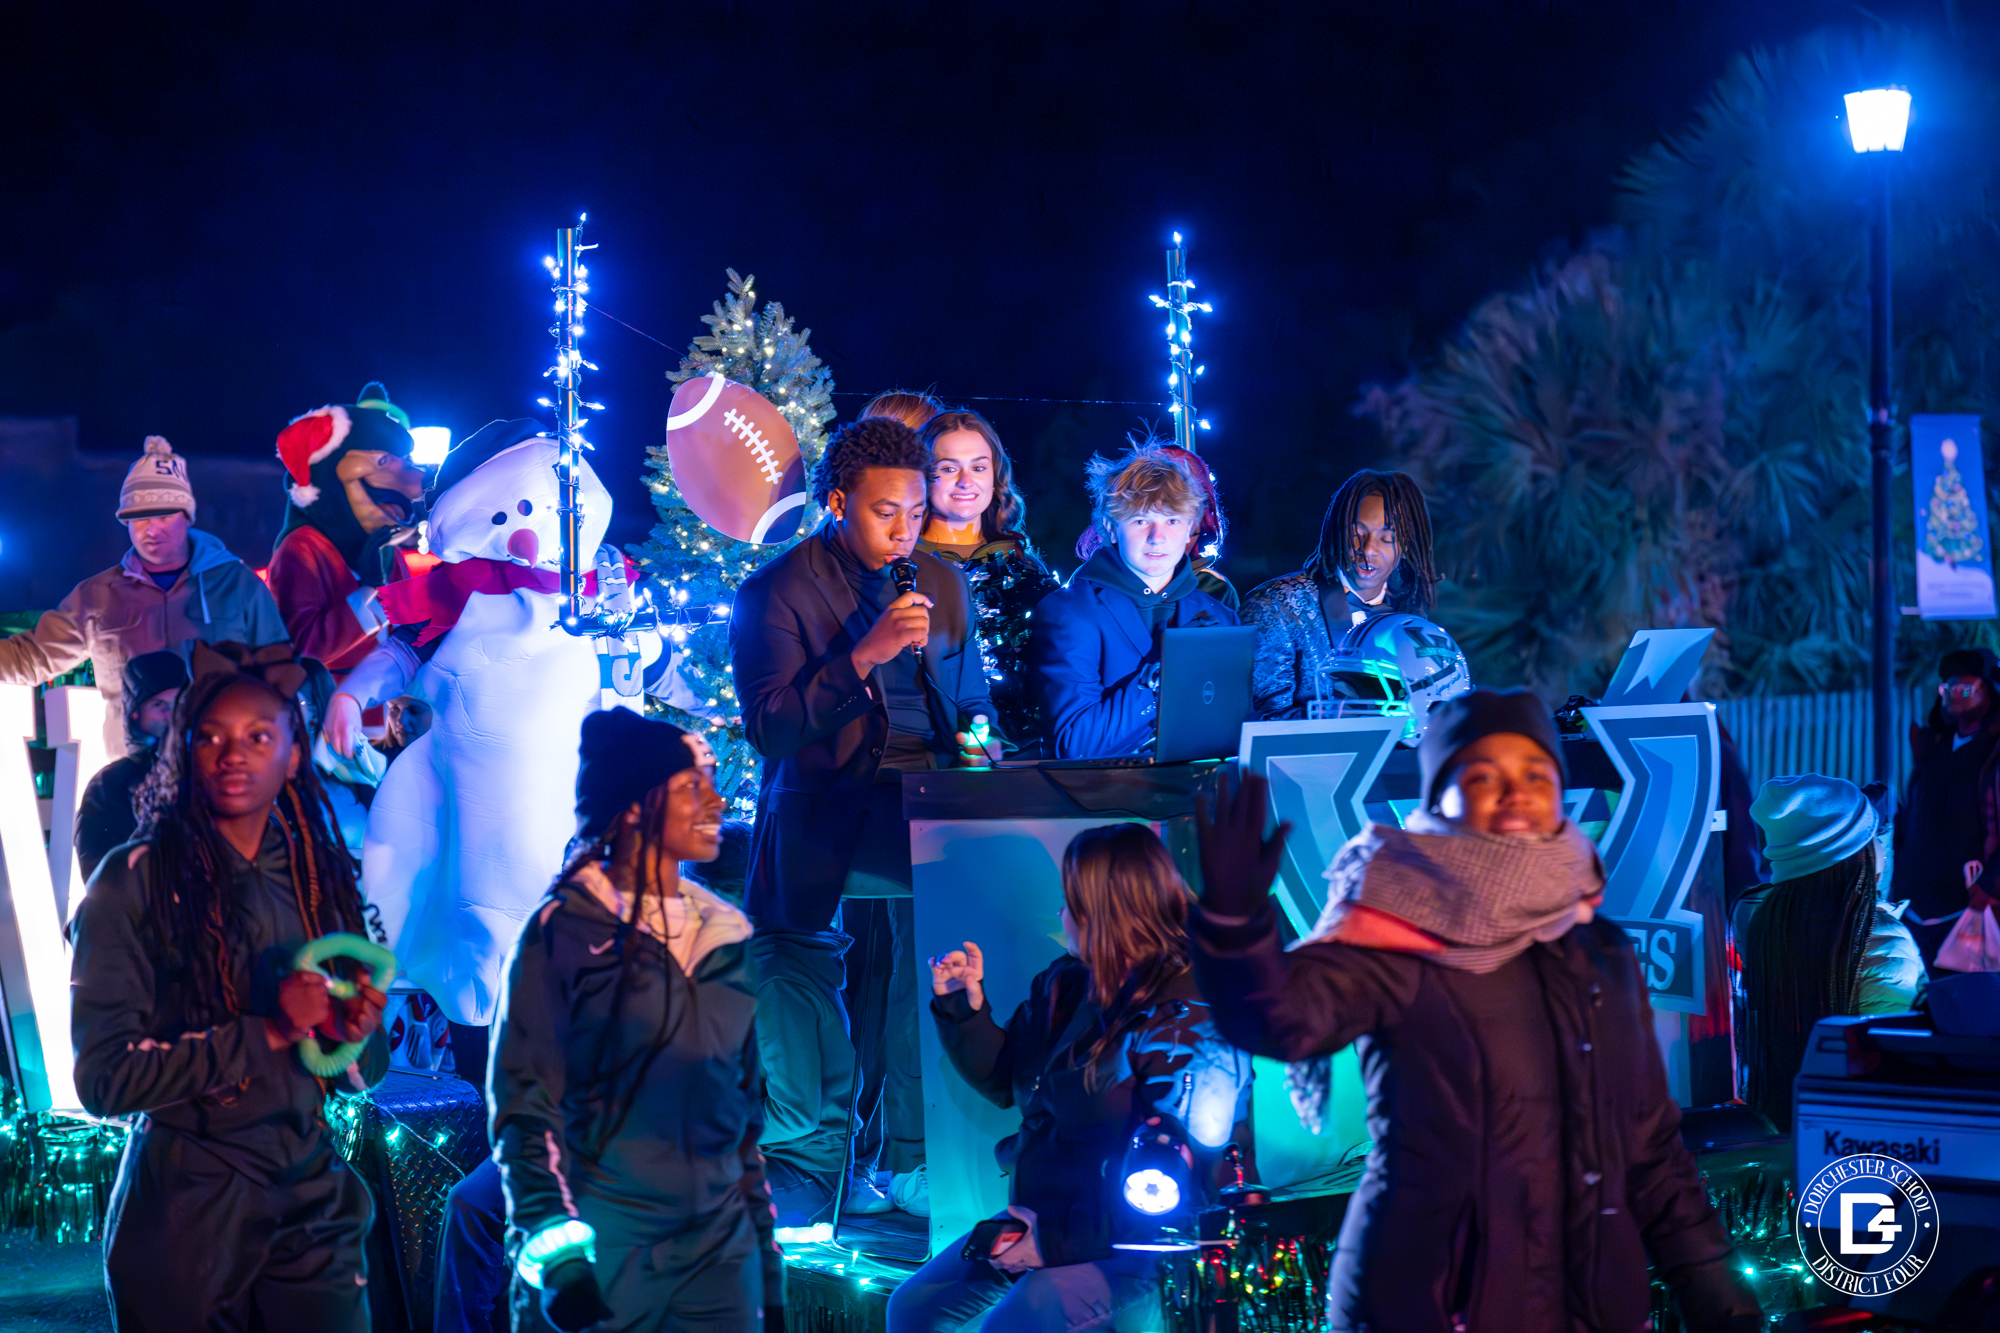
{"x":904,"y":572}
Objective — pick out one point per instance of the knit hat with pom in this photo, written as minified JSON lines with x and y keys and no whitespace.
{"x":157,"y":484}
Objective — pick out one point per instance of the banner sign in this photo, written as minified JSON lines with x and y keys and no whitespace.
{"x":1954,"y":540}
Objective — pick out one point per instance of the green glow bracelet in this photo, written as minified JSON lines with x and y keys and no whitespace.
{"x":381,"y":965}
{"x":555,"y":1243}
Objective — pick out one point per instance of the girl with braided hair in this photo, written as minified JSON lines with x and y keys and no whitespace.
{"x":625,"y":1090}
{"x":231,"y":1209}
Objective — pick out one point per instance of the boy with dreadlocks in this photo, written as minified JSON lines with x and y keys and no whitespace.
{"x":232,"y":1209}
{"x":625,"y":1089}
{"x":1373,"y":558}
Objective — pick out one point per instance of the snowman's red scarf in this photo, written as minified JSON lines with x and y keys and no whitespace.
{"x":439,"y":595}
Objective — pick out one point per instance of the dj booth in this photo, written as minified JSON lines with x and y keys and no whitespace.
{"x":987,"y":846}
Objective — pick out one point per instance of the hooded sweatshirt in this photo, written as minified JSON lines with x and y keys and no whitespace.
{"x":1091,"y":648}
{"x":112,"y":617}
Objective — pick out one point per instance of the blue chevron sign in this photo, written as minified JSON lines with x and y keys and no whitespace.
{"x":1669,"y":756}
{"x":1320,"y":774}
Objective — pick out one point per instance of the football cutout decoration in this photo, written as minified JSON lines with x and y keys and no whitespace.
{"x":736,"y":460}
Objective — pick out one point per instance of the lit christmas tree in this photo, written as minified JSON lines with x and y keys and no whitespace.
{"x":701,"y":567}
{"x":1951,"y":531}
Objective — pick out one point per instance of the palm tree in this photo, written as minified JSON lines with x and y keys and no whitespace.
{"x":1670,"y":430}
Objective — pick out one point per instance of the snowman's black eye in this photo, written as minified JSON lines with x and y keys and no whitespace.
{"x":525,"y":508}
{"x":499,"y":517}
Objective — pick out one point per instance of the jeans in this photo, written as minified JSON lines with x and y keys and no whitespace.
{"x":947,"y":1293}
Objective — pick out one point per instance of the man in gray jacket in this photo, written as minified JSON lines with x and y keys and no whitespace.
{"x":175,"y":585}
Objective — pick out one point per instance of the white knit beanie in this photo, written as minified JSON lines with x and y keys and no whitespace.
{"x":157,"y":483}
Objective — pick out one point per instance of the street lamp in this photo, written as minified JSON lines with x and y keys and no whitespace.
{"x":1877,"y":120}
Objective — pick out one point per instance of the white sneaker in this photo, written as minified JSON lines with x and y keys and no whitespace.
{"x":911,"y":1191}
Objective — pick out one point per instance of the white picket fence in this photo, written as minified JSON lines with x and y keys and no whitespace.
{"x":1782,"y":734}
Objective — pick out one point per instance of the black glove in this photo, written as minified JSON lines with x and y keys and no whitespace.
{"x":1238,"y":863}
{"x":378,"y":554}
{"x":570,"y":1298}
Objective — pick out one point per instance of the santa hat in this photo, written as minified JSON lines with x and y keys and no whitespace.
{"x":306,"y":441}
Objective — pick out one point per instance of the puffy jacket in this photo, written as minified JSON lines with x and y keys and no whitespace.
{"x":1064,"y":1163}
{"x":1527,"y":1164}
{"x":315,"y":589}
{"x":112,"y":617}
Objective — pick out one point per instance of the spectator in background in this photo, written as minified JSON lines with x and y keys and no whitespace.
{"x":914,"y":410}
{"x":175,"y":586}
{"x":105,"y":817}
{"x":1940,"y":833}
{"x":1823,"y":941}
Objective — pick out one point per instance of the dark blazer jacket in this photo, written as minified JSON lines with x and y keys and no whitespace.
{"x":1088,"y":644}
{"x":821,"y":727}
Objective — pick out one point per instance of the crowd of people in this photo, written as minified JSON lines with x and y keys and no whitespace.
{"x":707,"y":1033}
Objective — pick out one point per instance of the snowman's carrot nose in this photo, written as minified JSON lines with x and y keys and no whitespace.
{"x":523,"y":545}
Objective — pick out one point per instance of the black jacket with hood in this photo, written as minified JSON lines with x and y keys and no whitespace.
{"x":1064,"y":1163}
{"x":636,"y":1111}
{"x":1527,"y":1166}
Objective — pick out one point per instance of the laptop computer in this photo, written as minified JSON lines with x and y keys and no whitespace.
{"x":1204,"y":692}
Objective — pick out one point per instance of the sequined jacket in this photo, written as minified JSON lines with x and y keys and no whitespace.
{"x":1293,"y":645}
{"x":1006,"y":580}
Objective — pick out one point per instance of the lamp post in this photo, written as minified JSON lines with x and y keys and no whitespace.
{"x":1877,"y":119}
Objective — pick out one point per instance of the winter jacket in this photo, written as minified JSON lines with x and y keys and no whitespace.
{"x":315,"y":589}
{"x":1006,"y":581}
{"x":636,"y":1110}
{"x":1294,"y":645}
{"x":1527,"y":1162}
{"x":112,"y":617}
{"x":1938,"y":824}
{"x":1093,"y":639}
{"x":1892,"y":967}
{"x":104,"y":813}
{"x":1065,"y":1161}
{"x":820,"y":727}
{"x":256,"y":1109}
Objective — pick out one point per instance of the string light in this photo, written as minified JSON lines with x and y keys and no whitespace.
{"x":1180,"y":305}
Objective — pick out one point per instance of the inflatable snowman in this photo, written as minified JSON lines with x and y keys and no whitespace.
{"x":467,"y":831}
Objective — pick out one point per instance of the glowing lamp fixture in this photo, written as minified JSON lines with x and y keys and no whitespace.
{"x":433,"y":443}
{"x":1878,"y":118}
{"x":1152,"y":1191}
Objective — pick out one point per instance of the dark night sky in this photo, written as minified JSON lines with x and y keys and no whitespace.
{"x":219,"y":217}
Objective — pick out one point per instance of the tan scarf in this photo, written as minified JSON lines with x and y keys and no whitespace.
{"x":1482,"y":898}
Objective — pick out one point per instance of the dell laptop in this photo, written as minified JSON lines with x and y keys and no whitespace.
{"x":1204,"y":692}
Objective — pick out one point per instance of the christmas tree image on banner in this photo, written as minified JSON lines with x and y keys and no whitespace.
{"x":1952,"y":533}
{"x":1954,"y":555}
{"x":700,"y":568}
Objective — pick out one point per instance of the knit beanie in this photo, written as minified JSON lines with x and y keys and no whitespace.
{"x":622,"y":757}
{"x":149,"y":674}
{"x":157,"y":483}
{"x":1968,"y":662}
{"x":1810,"y":822}
{"x":1457,"y":723}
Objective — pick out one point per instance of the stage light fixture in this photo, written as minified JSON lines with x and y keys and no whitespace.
{"x":432,"y":444}
{"x":1878,"y":119}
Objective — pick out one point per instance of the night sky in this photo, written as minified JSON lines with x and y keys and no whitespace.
{"x":217,"y":218}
